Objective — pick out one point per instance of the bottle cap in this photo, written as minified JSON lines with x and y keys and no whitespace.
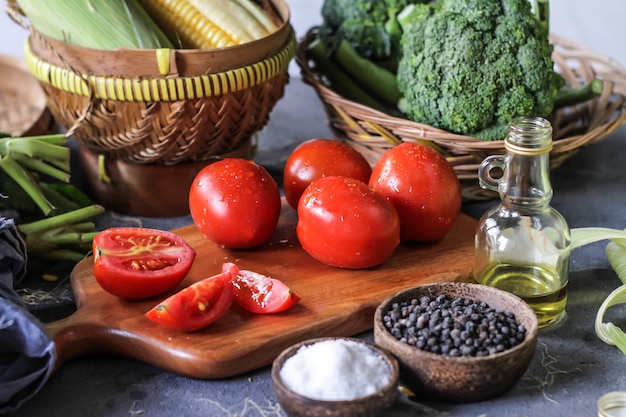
{"x":612,"y":404}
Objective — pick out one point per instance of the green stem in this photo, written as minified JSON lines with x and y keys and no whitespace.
{"x":340,"y":81}
{"x":83,"y":227}
{"x":59,"y":139}
{"x":40,"y":166}
{"x":541,"y":8}
{"x":36,"y":149}
{"x":102,"y":170}
{"x":58,"y":238}
{"x":378,"y":81}
{"x":27,"y":182}
{"x":569,"y":96}
{"x":61,"y":220}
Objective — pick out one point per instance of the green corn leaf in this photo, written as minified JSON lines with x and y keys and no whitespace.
{"x":99,"y":24}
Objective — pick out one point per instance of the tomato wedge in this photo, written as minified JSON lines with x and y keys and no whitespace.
{"x":198,"y":305}
{"x":134,"y":262}
{"x":260,"y":294}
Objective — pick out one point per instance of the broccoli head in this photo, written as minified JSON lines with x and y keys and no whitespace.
{"x":369,"y":26}
{"x":470,"y":66}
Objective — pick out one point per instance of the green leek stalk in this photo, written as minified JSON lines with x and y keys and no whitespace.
{"x":609,"y":333}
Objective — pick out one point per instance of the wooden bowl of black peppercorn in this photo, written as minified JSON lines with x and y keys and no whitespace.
{"x":457,"y":342}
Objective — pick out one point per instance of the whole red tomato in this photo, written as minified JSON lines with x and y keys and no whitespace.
{"x":423,"y":188}
{"x":318,"y":158}
{"x":343,"y":222}
{"x":136,"y":262}
{"x":235,"y":203}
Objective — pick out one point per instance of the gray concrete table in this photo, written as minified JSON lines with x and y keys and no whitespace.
{"x":572,"y":368}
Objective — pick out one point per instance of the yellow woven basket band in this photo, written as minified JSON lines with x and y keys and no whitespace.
{"x":162,"y":89}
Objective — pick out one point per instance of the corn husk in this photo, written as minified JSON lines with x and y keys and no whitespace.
{"x":99,"y":24}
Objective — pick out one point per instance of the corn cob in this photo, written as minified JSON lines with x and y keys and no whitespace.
{"x":203,"y":24}
{"x":197,"y":24}
{"x":258,"y":13}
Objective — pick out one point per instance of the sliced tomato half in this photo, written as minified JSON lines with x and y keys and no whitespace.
{"x":260,"y":294}
{"x":135,"y":262}
{"x":198,"y":305}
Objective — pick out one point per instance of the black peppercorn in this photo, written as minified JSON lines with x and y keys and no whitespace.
{"x":453,"y":326}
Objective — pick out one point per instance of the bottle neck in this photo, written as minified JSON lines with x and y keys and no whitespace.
{"x":526,"y":180}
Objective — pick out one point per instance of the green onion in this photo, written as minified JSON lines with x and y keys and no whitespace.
{"x":66,"y":236}
{"x":25,"y":180}
{"x":56,"y":216}
{"x":22,"y":157}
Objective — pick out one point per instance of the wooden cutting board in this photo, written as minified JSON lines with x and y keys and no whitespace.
{"x":334,"y":302}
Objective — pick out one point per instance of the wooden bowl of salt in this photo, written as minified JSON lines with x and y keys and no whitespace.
{"x":335,"y":377}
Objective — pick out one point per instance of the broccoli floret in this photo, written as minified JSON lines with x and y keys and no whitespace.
{"x":369,"y":26}
{"x":470,"y":66}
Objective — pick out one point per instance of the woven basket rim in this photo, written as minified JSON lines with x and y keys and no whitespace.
{"x":151,"y":89}
{"x":613,"y":74}
{"x":373,"y":132}
{"x":89,"y":60}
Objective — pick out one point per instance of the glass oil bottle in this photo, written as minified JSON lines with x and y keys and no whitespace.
{"x":522,"y":243}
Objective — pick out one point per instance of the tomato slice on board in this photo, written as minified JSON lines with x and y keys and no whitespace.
{"x":260,"y":294}
{"x":198,"y":305}
{"x":135,"y":262}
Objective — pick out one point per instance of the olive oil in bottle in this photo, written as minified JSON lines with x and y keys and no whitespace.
{"x":537,"y":285}
{"x":522,"y":244}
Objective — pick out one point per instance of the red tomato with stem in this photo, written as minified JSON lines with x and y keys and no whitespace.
{"x":343,"y":222}
{"x":134,"y":262}
{"x":235,"y":203}
{"x":317,"y":158}
{"x":423,"y":188}
{"x":260,"y":294}
{"x":198,"y":305}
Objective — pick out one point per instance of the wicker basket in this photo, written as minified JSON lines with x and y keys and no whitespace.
{"x":372,"y":132}
{"x":23,"y":109}
{"x":164,"y":106}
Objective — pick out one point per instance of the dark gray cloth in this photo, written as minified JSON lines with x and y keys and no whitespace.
{"x":27,"y":352}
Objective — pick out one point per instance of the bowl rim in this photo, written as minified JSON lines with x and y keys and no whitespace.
{"x":530,"y":337}
{"x":384,"y":354}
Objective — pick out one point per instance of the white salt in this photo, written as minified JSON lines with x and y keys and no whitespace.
{"x":335,"y":369}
